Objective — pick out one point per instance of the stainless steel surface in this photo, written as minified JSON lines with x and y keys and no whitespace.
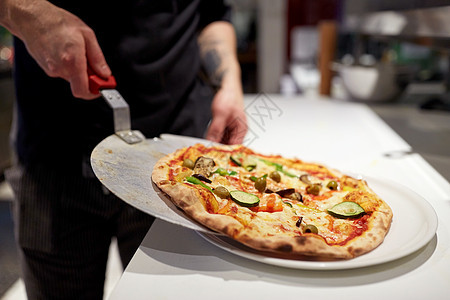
{"x":425,"y":22}
{"x":122,"y":123}
{"x":125,"y":169}
{"x":429,"y":22}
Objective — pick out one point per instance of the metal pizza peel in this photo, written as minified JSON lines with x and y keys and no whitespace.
{"x":123,"y":162}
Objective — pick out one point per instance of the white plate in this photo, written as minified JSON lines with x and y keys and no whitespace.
{"x":414,"y":225}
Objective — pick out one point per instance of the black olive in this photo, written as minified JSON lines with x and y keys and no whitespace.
{"x":299,"y":222}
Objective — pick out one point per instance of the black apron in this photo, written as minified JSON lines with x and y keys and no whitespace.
{"x":151,"y":47}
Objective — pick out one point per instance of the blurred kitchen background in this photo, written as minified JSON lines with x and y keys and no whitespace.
{"x":390,"y":55}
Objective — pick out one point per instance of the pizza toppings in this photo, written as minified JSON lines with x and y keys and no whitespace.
{"x":221,"y":192}
{"x":278,"y":167}
{"x":305,"y":178}
{"x":309,"y":228}
{"x":188,"y":163}
{"x":244,"y":199}
{"x":290,"y":194}
{"x":223,"y":172}
{"x":332,"y":185}
{"x":261,"y":183}
{"x":242,"y":160}
{"x":195,"y":180}
{"x":313,"y":189}
{"x":202,"y":178}
{"x":346,"y":209}
{"x":275,"y":176}
{"x":272,"y":197}
{"x":204,"y":166}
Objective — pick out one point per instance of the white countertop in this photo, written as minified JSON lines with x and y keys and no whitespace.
{"x":177,"y":263}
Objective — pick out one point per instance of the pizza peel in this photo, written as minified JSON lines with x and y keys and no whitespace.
{"x":123,"y":162}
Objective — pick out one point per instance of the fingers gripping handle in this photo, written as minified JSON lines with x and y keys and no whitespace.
{"x":96,"y":83}
{"x":122,"y":124}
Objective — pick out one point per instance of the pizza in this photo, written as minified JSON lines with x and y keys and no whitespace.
{"x":273,"y":204}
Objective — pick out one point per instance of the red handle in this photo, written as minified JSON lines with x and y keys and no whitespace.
{"x":96,"y":83}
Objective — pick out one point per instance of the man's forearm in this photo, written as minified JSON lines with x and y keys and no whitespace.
{"x":218,"y":54}
{"x":60,"y":42}
{"x":14,"y":12}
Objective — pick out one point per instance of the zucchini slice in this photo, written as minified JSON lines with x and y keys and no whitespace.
{"x":346,"y":209}
{"x":244,"y":161}
{"x":244,"y":199}
{"x":236,"y":158}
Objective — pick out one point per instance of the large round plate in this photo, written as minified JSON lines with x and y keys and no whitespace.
{"x":413,"y":226}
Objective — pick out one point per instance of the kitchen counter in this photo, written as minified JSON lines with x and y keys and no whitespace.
{"x":426,"y":131}
{"x":177,"y":263}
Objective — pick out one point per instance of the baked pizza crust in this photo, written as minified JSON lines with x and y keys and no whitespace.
{"x":188,"y":198}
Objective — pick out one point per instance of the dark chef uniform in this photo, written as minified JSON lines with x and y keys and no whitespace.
{"x":64,"y":219}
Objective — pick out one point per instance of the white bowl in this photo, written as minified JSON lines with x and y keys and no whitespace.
{"x":370,"y":83}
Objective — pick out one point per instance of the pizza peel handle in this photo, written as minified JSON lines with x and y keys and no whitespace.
{"x":122,"y":123}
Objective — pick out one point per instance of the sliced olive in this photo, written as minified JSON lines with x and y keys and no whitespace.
{"x":260,"y":184}
{"x":305,"y":178}
{"x":275,"y":176}
{"x":222,"y":192}
{"x":332,"y":185}
{"x":188,"y":163}
{"x":309,"y":228}
{"x":313,"y":189}
{"x":299,"y":222}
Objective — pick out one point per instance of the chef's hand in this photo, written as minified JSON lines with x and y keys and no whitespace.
{"x":217,"y":43}
{"x":229,"y":123}
{"x":61,"y":43}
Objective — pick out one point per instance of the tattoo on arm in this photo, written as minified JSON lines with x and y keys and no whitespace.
{"x":212,"y":62}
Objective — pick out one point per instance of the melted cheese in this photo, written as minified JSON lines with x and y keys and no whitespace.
{"x":283,"y":222}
